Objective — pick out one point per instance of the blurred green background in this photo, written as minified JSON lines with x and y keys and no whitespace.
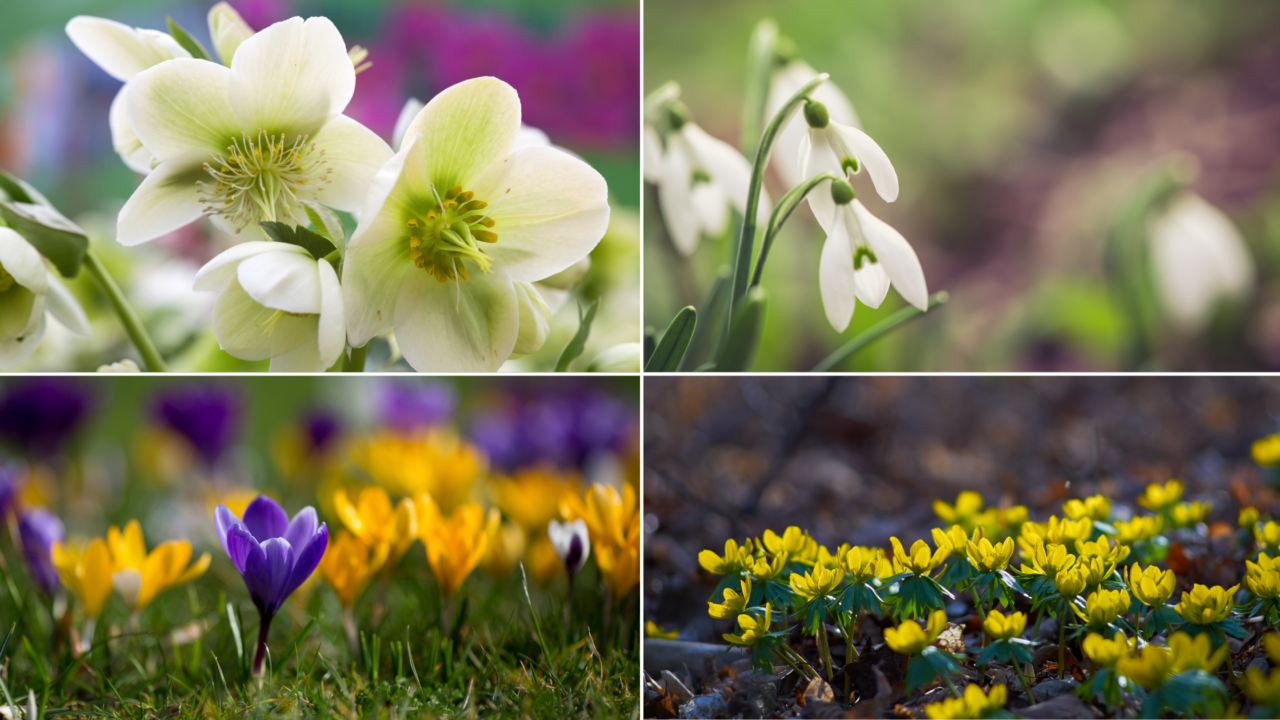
{"x":1018,"y":130}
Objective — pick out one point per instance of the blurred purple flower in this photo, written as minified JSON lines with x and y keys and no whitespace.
{"x":39,"y":416}
{"x":10,"y":485}
{"x":321,"y":427}
{"x":38,"y":530}
{"x":564,"y":428}
{"x":408,"y":406}
{"x":206,"y":415}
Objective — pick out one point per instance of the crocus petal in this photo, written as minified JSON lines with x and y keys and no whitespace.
{"x":240,"y":546}
{"x":555,"y":210}
{"x":196,"y":569}
{"x":223,"y":521}
{"x":181,"y":107}
{"x":871,"y":157}
{"x":120,"y":50}
{"x":64,"y":308}
{"x":333,"y":320}
{"x":21,"y":260}
{"x":15,"y":349}
{"x":476,"y":337}
{"x":895,"y":255}
{"x":266,"y":574}
{"x":239,"y":322}
{"x":302,"y":527}
{"x":218,"y":273}
{"x":835,"y":278}
{"x":265,"y":519}
{"x":123,"y":139}
{"x":167,"y":199}
{"x":465,"y":129}
{"x":282,"y":281}
{"x":355,"y":154}
{"x":306,"y":560}
{"x":292,"y":77}
{"x":372,"y":278}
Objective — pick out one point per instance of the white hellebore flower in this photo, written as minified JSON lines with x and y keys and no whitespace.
{"x":1199,"y":258}
{"x":787,"y":81}
{"x":250,"y":142}
{"x":570,"y":541}
{"x":228,"y":30}
{"x":27,"y":289}
{"x":276,"y":301}
{"x":700,"y":177}
{"x":123,"y":52}
{"x":861,"y":257}
{"x":456,"y":222}
{"x":829,"y":146}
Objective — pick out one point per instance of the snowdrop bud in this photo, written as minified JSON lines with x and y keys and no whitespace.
{"x":569,"y":539}
{"x":228,"y":30}
{"x":815,"y":113}
{"x":677,"y":115}
{"x":841,"y":192}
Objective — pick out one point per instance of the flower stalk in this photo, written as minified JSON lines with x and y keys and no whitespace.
{"x":128,"y":317}
{"x":781,"y":212}
{"x":873,"y":333}
{"x":260,"y":656}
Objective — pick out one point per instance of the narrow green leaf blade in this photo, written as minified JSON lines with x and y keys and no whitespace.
{"x":744,"y":335}
{"x":579,"y":341}
{"x":188,"y":43}
{"x":675,"y":342}
{"x":50,"y":233}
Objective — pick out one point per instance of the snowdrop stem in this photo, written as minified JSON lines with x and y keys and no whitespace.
{"x":356,"y":361}
{"x":746,"y":241}
{"x":781,"y":212}
{"x":128,"y":318}
{"x":760,"y":59}
{"x":873,"y":333}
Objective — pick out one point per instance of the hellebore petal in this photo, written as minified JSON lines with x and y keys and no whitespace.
{"x":167,"y":199}
{"x":477,"y":336}
{"x":282,"y":281}
{"x":467,"y":128}
{"x":181,"y":107}
{"x":218,"y":273}
{"x":120,"y":50}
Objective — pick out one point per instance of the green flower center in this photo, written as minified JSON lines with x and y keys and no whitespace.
{"x":6,"y":280}
{"x":260,"y":178}
{"x":269,"y":325}
{"x":449,"y":233}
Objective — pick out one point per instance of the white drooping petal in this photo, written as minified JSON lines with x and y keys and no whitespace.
{"x":895,"y":255}
{"x":555,"y":211}
{"x":282,"y":281}
{"x":292,"y":77}
{"x":21,"y":260}
{"x":535,"y":320}
{"x":181,"y":107}
{"x":442,"y":327}
{"x":332,"y":330}
{"x":786,"y":81}
{"x":835,"y":277}
{"x":167,"y":199}
{"x":674,"y":196}
{"x":869,"y":156}
{"x":727,"y":168}
{"x":651,"y":155}
{"x":227,"y":30}
{"x":711,"y":207}
{"x":64,"y":307}
{"x":123,"y":140}
{"x":355,"y":154}
{"x":371,"y":279}
{"x":411,"y":108}
{"x":871,"y":283}
{"x":14,"y":349}
{"x":465,"y":129}
{"x":217,"y":274}
{"x":120,"y":50}
{"x":1199,"y":258}
{"x":250,"y":331}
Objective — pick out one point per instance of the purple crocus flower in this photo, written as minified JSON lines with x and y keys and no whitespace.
{"x":9,"y":487}
{"x":563,"y":428}
{"x":206,"y":415}
{"x":408,"y":406}
{"x":321,"y":427}
{"x":38,"y":530}
{"x":40,"y":415}
{"x":273,"y":554}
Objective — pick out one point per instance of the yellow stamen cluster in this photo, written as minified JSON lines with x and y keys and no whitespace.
{"x":448,"y":233}
{"x":261,"y":178}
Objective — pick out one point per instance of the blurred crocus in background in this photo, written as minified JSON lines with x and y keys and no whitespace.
{"x":38,"y":530}
{"x":38,"y":417}
{"x":206,"y":416}
{"x":410,"y":406}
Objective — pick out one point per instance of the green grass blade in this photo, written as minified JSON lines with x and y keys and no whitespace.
{"x":675,"y":342}
{"x":873,"y":333}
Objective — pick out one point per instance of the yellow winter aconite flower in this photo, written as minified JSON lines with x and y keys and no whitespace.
{"x":1260,"y":688}
{"x":1070,"y":582}
{"x":866,"y":564}
{"x":764,"y":569}
{"x":620,"y":564}
{"x":1153,"y":587}
{"x":920,"y":561}
{"x":1188,"y":514}
{"x":139,"y":576}
{"x":1138,"y":529}
{"x":1159,"y":498}
{"x":968,"y":506}
{"x":954,"y":540}
{"x":1262,"y":578}
{"x":1205,"y":606}
{"x":1055,"y":530}
{"x":1012,"y":519}
{"x":1047,"y":559}
{"x":791,"y":542}
{"x":606,"y":512}
{"x":974,"y":704}
{"x":987,"y":557}
{"x":1249,"y":517}
{"x":1102,"y":549}
{"x":1149,"y":669}
{"x":1102,"y":607}
{"x":377,"y":523}
{"x":734,"y":603}
{"x":531,"y":497}
{"x":349,"y":564}
{"x":1266,"y":451}
{"x":816,"y":583}
{"x":1094,"y":570}
{"x":1096,"y":507}
{"x":753,"y":629}
{"x":1195,"y":653}
{"x":86,"y":571}
{"x":734,"y":559}
{"x":1002,"y":627}
{"x":1106,"y":653}
{"x":436,"y":461}
{"x":657,"y":632}
{"x":455,"y":543}
{"x":1267,"y":535}
{"x":1271,"y":644}
{"x":831,"y":560}
{"x":909,"y":639}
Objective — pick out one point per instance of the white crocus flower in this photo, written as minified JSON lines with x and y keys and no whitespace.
{"x":1199,"y":259}
{"x":861,"y":257}
{"x":571,"y":543}
{"x":276,"y":301}
{"x":700,"y":177}
{"x":829,"y":146}
{"x":123,"y":52}
{"x":787,"y":80}
{"x":455,"y":220}
{"x":228,"y":30}
{"x":27,"y":291}
{"x":250,"y":142}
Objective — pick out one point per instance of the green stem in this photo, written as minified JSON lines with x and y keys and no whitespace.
{"x":821,"y":636}
{"x":946,"y":680}
{"x":356,"y":363}
{"x":781,"y":212}
{"x":1062,"y":643}
{"x":760,"y":58}
{"x":128,"y":318}
{"x":790,"y":663}
{"x":746,"y":241}
{"x":977,"y":604}
{"x":873,"y":333}
{"x":800,"y":659}
{"x":1017,"y":667}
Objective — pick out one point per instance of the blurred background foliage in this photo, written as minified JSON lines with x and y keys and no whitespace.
{"x":1018,"y":130}
{"x":575,"y":64}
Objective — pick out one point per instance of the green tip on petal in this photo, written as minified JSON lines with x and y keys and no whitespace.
{"x":841,"y":192}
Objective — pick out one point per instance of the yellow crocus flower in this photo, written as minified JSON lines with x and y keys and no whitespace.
{"x":974,"y":704}
{"x":1248,"y":518}
{"x":734,"y":603}
{"x":620,"y":564}
{"x":1138,"y":529}
{"x":542,"y":562}
{"x":376,"y":522}
{"x":435,"y":461}
{"x":1002,"y":627}
{"x":1106,"y":653}
{"x":657,"y":632}
{"x":1266,"y":451}
{"x":866,"y":564}
{"x":968,"y":505}
{"x":1070,"y":582}
{"x":909,"y":639}
{"x":1102,"y":607}
{"x":531,"y":497}
{"x":1096,"y":507}
{"x":1102,"y":549}
{"x":1153,"y":587}
{"x":1159,"y":498}
{"x":455,"y":543}
{"x":1195,"y":653}
{"x":753,"y":629}
{"x":86,"y":571}
{"x":1262,"y":578}
{"x":349,"y":564}
{"x":1267,"y":535}
{"x":733,"y":560}
{"x":1149,"y":669}
{"x":605,"y":511}
{"x":987,"y":557}
{"x":506,"y":547}
{"x":1188,"y":514}
{"x":920,"y":561}
{"x":954,"y":540}
{"x":1205,"y":606}
{"x":816,"y":583}
{"x":140,"y":576}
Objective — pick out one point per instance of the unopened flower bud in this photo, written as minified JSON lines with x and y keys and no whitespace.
{"x":842,"y":192}
{"x":815,"y":113}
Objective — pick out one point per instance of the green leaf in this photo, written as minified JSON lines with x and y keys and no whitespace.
{"x":19,"y":191}
{"x":705,"y":335}
{"x":305,"y":238}
{"x":187,"y":42}
{"x":50,"y":233}
{"x":675,"y":342}
{"x":744,"y":335}
{"x":873,"y":333}
{"x":326,"y":223}
{"x":649,"y":343}
{"x":579,"y":341}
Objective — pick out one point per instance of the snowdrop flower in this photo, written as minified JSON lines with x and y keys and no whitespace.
{"x":123,"y":52}
{"x":861,"y":257}
{"x":27,"y":289}
{"x":787,"y":79}
{"x":455,"y":221}
{"x":829,"y":146}
{"x":120,"y":366}
{"x":569,"y":540}
{"x":276,"y":301}
{"x":1199,"y":258}
{"x":250,"y":142}
{"x":699,"y":178}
